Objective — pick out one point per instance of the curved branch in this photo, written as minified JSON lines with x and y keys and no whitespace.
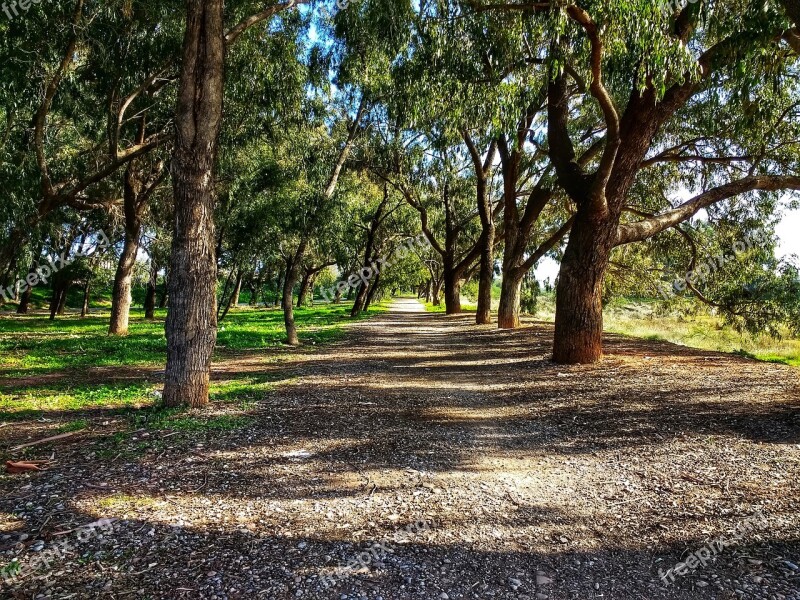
{"x":642,"y":230}
{"x":232,"y":34}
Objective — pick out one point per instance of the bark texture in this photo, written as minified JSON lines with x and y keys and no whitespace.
{"x":191,"y":325}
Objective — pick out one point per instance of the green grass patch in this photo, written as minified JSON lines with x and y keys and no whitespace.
{"x":430,"y":307}
{"x":76,"y":425}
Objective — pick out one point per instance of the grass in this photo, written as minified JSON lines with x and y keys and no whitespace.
{"x":52,"y":356}
{"x":34,"y":345}
{"x":638,"y":318}
{"x":430,"y":307}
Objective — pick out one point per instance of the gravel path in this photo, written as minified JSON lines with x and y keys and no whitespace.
{"x":424,"y":457}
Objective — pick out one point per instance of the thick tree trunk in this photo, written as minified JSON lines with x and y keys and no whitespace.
{"x":121,"y":296}
{"x":452,"y":292}
{"x":191,"y":325}
{"x":150,"y":295}
{"x":579,"y":306}
{"x":508,"y":310}
{"x":86,"y":289}
{"x":486,"y":276}
{"x":288,"y":287}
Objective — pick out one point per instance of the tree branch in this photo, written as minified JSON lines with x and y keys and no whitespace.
{"x":642,"y":230}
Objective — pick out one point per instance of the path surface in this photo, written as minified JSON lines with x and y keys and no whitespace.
{"x":535,"y":481}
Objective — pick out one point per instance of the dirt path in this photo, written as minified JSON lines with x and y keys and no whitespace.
{"x":452,"y":461}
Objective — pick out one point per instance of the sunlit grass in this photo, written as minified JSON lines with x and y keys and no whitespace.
{"x":702,"y":331}
{"x":31,"y":345}
{"x":35,"y":348}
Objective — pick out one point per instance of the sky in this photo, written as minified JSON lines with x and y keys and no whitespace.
{"x":788,"y":233}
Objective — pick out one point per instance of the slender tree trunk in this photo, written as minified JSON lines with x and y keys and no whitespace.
{"x":164,"y":300}
{"x":233,"y":300}
{"x":25,"y":301}
{"x":191,"y":325}
{"x":337,"y":298}
{"x":86,"y":289}
{"x":237,"y":291}
{"x":435,"y":293}
{"x":358,"y":304}
{"x":150,"y":295}
{"x":55,"y":300}
{"x":62,"y":302}
{"x":288,"y":287}
{"x":579,"y":306}
{"x":373,"y":288}
{"x":121,"y":296}
{"x":486,"y":276}
{"x":301,"y":295}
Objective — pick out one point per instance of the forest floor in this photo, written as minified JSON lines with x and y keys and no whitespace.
{"x":419,"y":457}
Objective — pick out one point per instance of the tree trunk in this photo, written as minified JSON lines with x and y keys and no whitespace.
{"x":508,"y":311}
{"x":237,"y":291}
{"x":373,"y":288}
{"x":62,"y":301}
{"x":301,"y":296}
{"x":25,"y":301}
{"x":288,"y":287}
{"x":452,"y":292}
{"x":337,"y":298}
{"x":164,"y":300}
{"x":579,"y":306}
{"x":85,"y":308}
{"x":191,"y":325}
{"x":150,"y":295}
{"x":233,"y":301}
{"x":121,"y":296}
{"x":435,"y":293}
{"x":486,"y":277}
{"x":55,"y":300}
{"x":358,"y":304}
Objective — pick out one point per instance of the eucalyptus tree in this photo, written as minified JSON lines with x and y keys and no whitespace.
{"x":58,"y":67}
{"x":688,"y":90}
{"x":191,"y":325}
